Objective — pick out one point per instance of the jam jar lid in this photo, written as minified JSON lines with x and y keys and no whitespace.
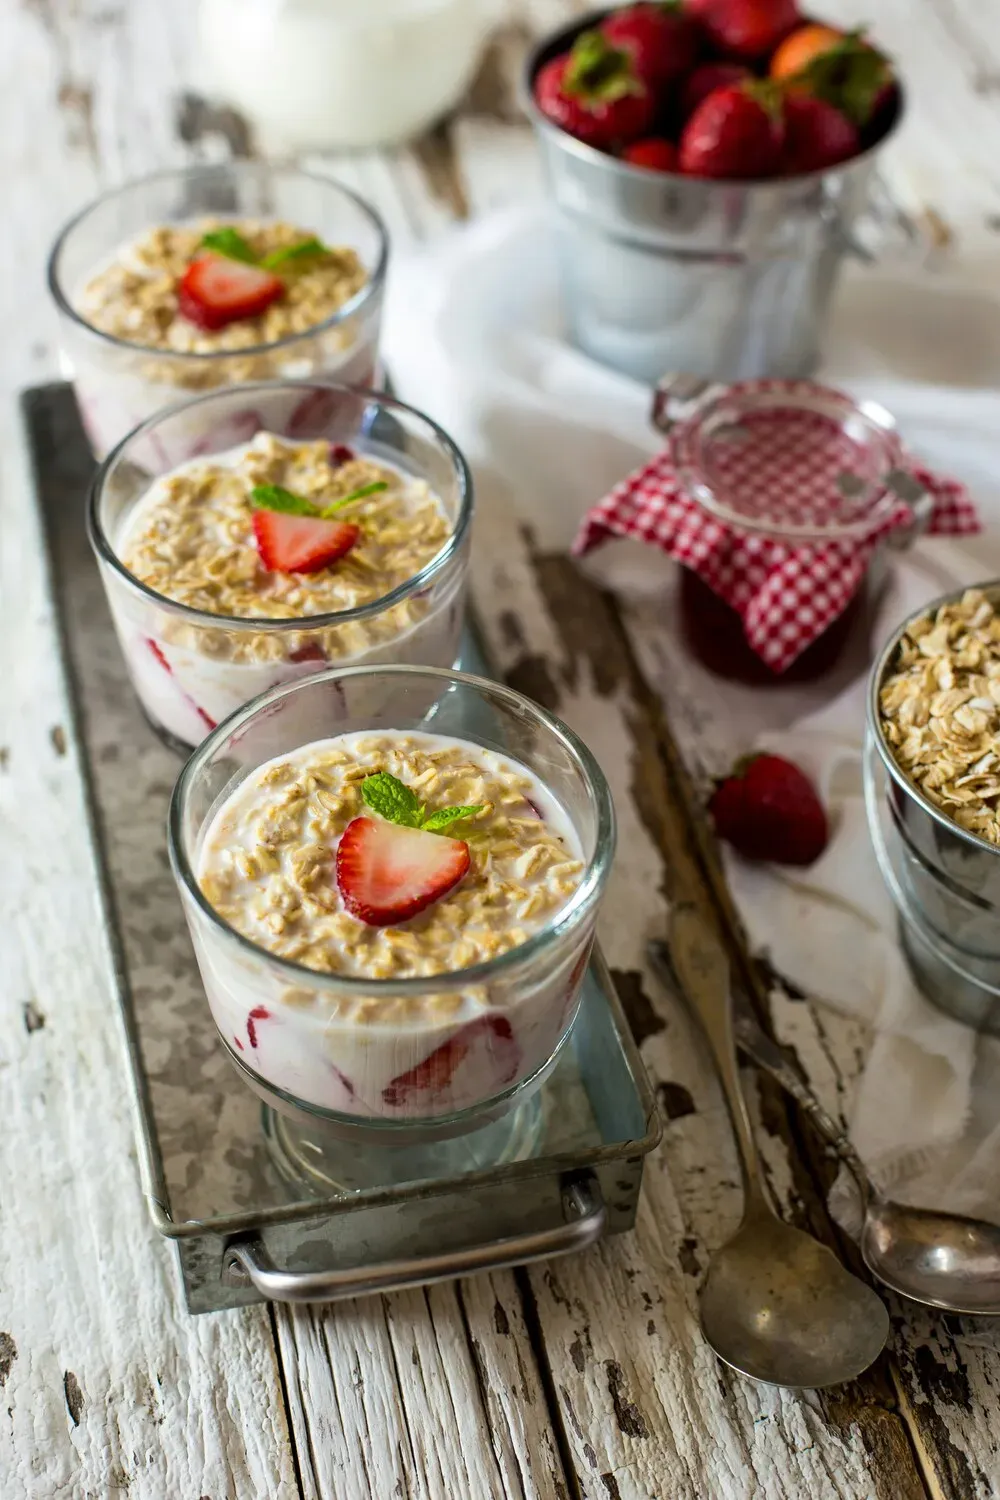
{"x":791,"y":459}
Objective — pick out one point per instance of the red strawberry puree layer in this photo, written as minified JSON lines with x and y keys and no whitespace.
{"x":445,"y":1050}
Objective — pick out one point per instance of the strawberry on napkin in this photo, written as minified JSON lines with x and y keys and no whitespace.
{"x":785,"y":593}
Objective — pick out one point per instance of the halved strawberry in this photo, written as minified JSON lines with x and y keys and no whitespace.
{"x":215,"y":290}
{"x":387,"y":873}
{"x":434,"y":1074}
{"x":300,"y":544}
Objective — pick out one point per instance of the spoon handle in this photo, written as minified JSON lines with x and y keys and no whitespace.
{"x":769,"y":1057}
{"x":755,"y":1044}
{"x":703,"y":972}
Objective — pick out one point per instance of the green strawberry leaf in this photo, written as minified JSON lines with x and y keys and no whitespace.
{"x":386,"y":795}
{"x":274,"y":497}
{"x":230,"y":243}
{"x":766,"y":93}
{"x":597,"y":72}
{"x":304,"y":250}
{"x":850,"y":76}
{"x":374,"y":488}
{"x":445,"y":816}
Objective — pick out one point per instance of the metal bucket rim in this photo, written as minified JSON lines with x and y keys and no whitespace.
{"x":907,"y":912}
{"x":603,"y":161}
{"x":990,"y":587}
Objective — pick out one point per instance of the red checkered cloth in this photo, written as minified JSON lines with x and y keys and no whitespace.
{"x":786,"y":594}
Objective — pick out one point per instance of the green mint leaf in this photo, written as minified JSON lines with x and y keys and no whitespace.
{"x":392,"y":800}
{"x":445,"y":816}
{"x":230,"y":243}
{"x":366,"y":489}
{"x":273,"y":497}
{"x":304,"y":250}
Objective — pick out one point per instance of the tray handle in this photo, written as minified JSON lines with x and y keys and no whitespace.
{"x":246,"y":1263}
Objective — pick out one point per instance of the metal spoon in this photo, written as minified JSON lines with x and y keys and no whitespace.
{"x":943,"y":1260}
{"x":776,"y":1304}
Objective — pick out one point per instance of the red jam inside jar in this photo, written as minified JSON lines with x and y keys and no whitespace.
{"x":714,"y":635}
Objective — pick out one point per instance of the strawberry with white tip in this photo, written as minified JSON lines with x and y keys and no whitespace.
{"x":216,"y":290}
{"x":387,"y":874}
{"x":393,"y":867}
{"x":301,"y":544}
{"x":295,"y":536}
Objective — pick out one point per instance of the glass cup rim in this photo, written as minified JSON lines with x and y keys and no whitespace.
{"x":262,"y":625}
{"x":579,"y":904}
{"x":371,"y":288}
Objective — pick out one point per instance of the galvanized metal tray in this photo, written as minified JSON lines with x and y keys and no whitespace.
{"x":243,"y":1231}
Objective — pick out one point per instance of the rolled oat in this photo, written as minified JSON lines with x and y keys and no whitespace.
{"x":940,"y":710}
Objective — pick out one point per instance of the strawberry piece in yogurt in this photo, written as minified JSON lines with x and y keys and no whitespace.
{"x":158,"y":652}
{"x":434,"y":1074}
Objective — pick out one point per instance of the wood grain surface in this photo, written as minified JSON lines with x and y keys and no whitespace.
{"x":584,"y":1379}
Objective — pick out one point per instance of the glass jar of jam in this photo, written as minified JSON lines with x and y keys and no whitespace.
{"x":786,"y":461}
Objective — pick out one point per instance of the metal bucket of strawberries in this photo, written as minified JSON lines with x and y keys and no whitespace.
{"x":708,"y":161}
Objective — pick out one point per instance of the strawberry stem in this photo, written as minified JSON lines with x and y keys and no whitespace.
{"x":597,"y":72}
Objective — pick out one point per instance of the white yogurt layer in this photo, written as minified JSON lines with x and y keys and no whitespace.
{"x":266,"y":863}
{"x":115,"y":395}
{"x":190,"y":538}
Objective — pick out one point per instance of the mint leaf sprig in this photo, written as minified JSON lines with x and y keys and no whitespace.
{"x":304,"y":250}
{"x":230,"y":243}
{"x":398,"y":803}
{"x":276,"y":497}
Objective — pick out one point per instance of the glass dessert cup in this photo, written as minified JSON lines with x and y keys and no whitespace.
{"x":351,"y":1068}
{"x":119,"y":384}
{"x":191,"y":668}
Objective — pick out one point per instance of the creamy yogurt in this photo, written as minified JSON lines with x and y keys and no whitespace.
{"x":189,"y":538}
{"x":266,"y":863}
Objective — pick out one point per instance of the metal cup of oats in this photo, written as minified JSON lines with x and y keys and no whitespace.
{"x":391,"y":878}
{"x":316,"y":524}
{"x":934,"y":721}
{"x":210,"y":276}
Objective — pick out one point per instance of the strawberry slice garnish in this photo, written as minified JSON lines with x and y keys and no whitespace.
{"x":387,"y":873}
{"x":300,"y":544}
{"x":215,"y":290}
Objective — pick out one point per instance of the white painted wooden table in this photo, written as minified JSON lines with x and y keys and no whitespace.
{"x":586,"y":1378}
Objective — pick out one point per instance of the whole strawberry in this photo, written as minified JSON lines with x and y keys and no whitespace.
{"x":737,"y":132}
{"x":745,"y":28}
{"x":653,"y":152}
{"x":661,"y":40}
{"x":769,"y":810}
{"x":706,"y":79}
{"x":817,"y":135}
{"x":595,"y":93}
{"x":843,"y":68}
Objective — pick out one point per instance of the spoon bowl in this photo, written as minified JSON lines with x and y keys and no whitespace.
{"x":940,"y":1259}
{"x":778,"y":1306}
{"x":943,"y":1260}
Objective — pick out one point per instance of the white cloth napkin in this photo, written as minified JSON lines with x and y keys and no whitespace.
{"x":474,"y":337}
